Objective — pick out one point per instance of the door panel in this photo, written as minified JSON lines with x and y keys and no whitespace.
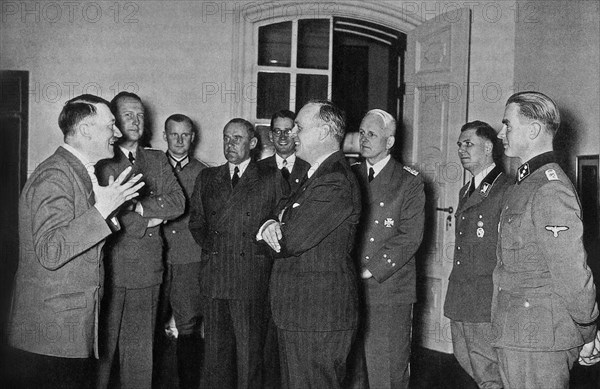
{"x":437,"y":62}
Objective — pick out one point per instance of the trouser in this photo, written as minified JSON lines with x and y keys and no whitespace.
{"x":475,"y":354}
{"x":127,"y":325}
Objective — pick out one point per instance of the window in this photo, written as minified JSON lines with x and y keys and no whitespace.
{"x":294,"y":65}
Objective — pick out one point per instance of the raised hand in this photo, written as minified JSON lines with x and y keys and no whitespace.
{"x":118,"y":191}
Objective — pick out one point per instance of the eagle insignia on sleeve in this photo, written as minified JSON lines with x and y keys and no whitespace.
{"x":556,"y":229}
{"x":411,"y":170}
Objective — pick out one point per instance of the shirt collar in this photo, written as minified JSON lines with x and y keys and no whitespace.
{"x":379,"y":165}
{"x":182,"y":161}
{"x":482,"y":174}
{"x":290,"y":161}
{"x":127,"y":151}
{"x":242,"y":167}
{"x":89,"y":166}
{"x":318,"y":162}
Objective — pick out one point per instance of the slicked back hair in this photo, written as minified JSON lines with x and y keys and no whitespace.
{"x":333,"y":116}
{"x":76,"y":110}
{"x":249,"y":127}
{"x":179,"y":118}
{"x":119,"y":96}
{"x":484,"y":130}
{"x":283,"y":114}
{"x":537,"y":106}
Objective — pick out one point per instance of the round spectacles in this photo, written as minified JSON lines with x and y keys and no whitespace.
{"x":279,"y":132}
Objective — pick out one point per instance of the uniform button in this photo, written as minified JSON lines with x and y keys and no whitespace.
{"x":174,"y":231}
{"x":463,"y":218}
{"x":499,"y":289}
{"x":367,"y":257}
{"x":393,"y":264}
{"x":389,"y":261}
{"x":459,"y":232}
{"x":151,"y":192}
{"x":458,"y":248}
{"x":247,"y":213}
{"x":159,"y":198}
{"x":150,"y":234}
{"x":458,"y":262}
{"x":376,"y":221}
{"x":381,"y":204}
{"x":162,"y":205}
{"x":526,"y":305}
{"x":480,"y":216}
{"x":372,"y":240}
{"x":506,"y":207}
{"x":216,"y":232}
{"x":242,"y":254}
{"x":215,"y":252}
{"x":385,"y":255}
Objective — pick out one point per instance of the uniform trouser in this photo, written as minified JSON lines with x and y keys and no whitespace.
{"x":536,"y":369}
{"x":474,"y":352}
{"x":234,"y":332}
{"x":181,"y":296}
{"x":127,"y":325}
{"x":311,"y":359}
{"x":387,"y":345}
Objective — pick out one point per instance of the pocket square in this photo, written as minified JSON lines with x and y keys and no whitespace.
{"x":295,"y":205}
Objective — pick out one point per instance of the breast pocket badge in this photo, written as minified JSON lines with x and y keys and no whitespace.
{"x":480,"y":232}
{"x":389,"y":222}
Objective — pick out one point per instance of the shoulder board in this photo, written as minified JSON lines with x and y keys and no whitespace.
{"x":411,"y":170}
{"x":356,"y":163}
{"x":151,"y":148}
{"x":551,"y":175}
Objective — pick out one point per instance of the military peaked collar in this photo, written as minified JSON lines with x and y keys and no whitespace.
{"x":182,"y":162}
{"x":533,"y":164}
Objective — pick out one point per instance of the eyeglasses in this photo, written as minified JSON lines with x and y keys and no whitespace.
{"x":279,"y":132}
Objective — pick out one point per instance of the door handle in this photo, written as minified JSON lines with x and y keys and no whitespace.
{"x":450,"y":210}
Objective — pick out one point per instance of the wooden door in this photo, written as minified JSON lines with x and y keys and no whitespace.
{"x":437,"y":64}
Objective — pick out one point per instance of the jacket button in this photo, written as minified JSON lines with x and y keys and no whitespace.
{"x":174,"y":231}
{"x":393,"y":264}
{"x":526,"y":305}
{"x":367,"y":257}
{"x":372,"y":240}
{"x":381,"y":204}
{"x":458,"y":262}
{"x":247,"y":213}
{"x":242,"y":254}
{"x":389,"y":261}
{"x":215,"y":252}
{"x":216,"y":232}
{"x":481,"y":216}
{"x":376,"y":221}
{"x":150,"y":234}
{"x":499,"y":289}
{"x":459,"y":232}
{"x":458,"y":248}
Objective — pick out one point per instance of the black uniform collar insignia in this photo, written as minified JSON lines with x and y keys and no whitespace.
{"x":533,"y":164}
{"x":488,"y":181}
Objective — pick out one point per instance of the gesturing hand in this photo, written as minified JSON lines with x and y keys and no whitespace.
{"x":110,"y":197}
{"x":271,"y":234}
{"x":590,"y":353}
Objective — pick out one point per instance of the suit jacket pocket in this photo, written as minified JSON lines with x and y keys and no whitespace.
{"x":66,"y":302}
{"x":529,"y":322}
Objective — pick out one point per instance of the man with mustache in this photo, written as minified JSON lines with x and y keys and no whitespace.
{"x":135,"y":267}
{"x":543,"y":308}
{"x":64,"y":218}
{"x":469,"y":298}
{"x":227,"y":207}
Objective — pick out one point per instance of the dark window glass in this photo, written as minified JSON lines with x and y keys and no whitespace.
{"x":313,"y":44}
{"x":275,"y":44}
{"x":310,"y":87}
{"x":273,"y":94}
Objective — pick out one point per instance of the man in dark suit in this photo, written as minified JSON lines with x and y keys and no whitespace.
{"x":228,"y":204}
{"x":543,"y":308}
{"x":469,"y":298}
{"x":182,"y":280}
{"x":313,"y":287}
{"x":391,"y":230}
{"x":135,"y":267}
{"x":285,"y":160}
{"x":64,"y":218}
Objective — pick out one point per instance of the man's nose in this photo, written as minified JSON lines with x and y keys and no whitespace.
{"x":116,"y":132}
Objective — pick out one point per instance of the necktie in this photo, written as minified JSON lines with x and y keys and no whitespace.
{"x":371,"y":174}
{"x":178,"y":166}
{"x":131,"y":158}
{"x":472,"y":186}
{"x":236,"y":177}
{"x":284,"y":170}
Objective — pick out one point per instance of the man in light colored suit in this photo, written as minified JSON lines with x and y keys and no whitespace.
{"x":65,"y":216}
{"x":228,"y":204}
{"x":313,"y":288}
{"x":390,"y":233}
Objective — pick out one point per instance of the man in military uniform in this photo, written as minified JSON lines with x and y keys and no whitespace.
{"x":469,"y":297}
{"x":544,"y":306}
{"x":292,"y":168}
{"x":134,"y":262}
{"x":390,"y":233}
{"x":182,"y":281}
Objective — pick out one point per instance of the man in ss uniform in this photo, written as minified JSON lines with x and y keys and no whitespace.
{"x":313,"y":288}
{"x":64,"y":218}
{"x":227,"y":207}
{"x":292,"y":168}
{"x":544,"y":306}
{"x":134,"y":265}
{"x":182,"y":280}
{"x":469,"y":298}
{"x":390,"y":233}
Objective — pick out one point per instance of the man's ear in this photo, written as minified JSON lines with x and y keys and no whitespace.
{"x":253,"y":142}
{"x":535,"y":129}
{"x":324,"y":131}
{"x":390,"y":142}
{"x":270,"y":136}
{"x":165,"y":135}
{"x":489,"y":147}
{"x":84,"y":129}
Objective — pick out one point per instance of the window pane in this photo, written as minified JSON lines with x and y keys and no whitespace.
{"x":313,"y":44}
{"x":275,"y":44}
{"x":310,"y":87}
{"x":273,"y":94}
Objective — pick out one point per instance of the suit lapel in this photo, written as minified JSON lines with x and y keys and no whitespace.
{"x":481,"y":192}
{"x":248,"y":182}
{"x":84,"y":182}
{"x":381,"y":182}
